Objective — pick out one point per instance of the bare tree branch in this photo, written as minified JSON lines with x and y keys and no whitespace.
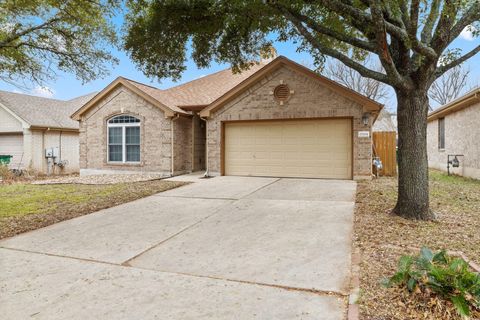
{"x":350,"y":78}
{"x":449,"y":86}
{"x":441,"y":70}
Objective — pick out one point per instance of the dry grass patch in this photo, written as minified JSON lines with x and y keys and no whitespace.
{"x":25,"y":207}
{"x":383,"y":238}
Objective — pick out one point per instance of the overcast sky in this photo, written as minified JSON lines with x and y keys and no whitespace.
{"x":67,"y":86}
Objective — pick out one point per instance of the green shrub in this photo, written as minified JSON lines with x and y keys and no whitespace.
{"x":446,"y":276}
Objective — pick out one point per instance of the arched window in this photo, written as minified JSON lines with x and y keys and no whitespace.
{"x":123,"y":139}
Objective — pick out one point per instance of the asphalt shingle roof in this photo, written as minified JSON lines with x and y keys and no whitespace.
{"x":199,"y":92}
{"x":204,"y":92}
{"x":44,"y":112}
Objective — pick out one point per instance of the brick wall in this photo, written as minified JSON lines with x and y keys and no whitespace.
{"x":309,"y":100}
{"x":155,"y":134}
{"x":182,"y":131}
{"x":199,"y":144}
{"x":462,"y":136}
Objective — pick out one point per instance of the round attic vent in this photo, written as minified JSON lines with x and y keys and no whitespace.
{"x":281,"y":92}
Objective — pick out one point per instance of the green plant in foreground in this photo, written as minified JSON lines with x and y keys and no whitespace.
{"x":441,"y":274}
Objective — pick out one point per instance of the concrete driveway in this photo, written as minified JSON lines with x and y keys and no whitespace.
{"x":220,"y":248}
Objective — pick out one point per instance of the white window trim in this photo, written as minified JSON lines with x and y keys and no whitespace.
{"x":124,"y":142}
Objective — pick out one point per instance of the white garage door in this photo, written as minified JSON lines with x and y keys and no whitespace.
{"x":291,"y":148}
{"x":12,"y":144}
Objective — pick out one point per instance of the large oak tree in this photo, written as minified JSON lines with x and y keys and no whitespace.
{"x":40,"y":37}
{"x":410,"y":38}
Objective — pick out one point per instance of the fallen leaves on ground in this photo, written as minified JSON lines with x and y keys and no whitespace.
{"x":383,"y":238}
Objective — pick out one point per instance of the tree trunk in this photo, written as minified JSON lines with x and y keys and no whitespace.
{"x":413,"y":198}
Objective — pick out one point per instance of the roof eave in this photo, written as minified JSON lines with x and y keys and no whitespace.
{"x":456,"y":105}
{"x":196,"y":108}
{"x":48,"y":128}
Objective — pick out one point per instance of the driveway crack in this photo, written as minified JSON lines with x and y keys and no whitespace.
{"x":262,"y":187}
{"x":278,"y":286}
{"x":127,"y":262}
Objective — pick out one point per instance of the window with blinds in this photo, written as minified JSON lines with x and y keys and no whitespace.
{"x":441,"y":133}
{"x":124,"y":139}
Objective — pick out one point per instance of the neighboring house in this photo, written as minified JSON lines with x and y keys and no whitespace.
{"x":29,"y":125}
{"x":276,"y":119}
{"x":455,"y":129}
{"x":386,"y":122}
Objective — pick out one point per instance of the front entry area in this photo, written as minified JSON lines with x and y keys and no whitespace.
{"x":313,"y":148}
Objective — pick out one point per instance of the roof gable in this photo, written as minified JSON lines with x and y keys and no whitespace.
{"x":41,"y":112}
{"x":279,"y":62}
{"x":148,"y":93}
{"x":10,"y":121}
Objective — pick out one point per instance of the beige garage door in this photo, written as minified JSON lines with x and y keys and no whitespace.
{"x":292,"y":148}
{"x":12,"y":144}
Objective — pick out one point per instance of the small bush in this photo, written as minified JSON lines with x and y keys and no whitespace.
{"x":440,"y":274}
{"x":6,"y":174}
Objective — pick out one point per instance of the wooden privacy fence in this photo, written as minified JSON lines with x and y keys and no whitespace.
{"x":385,"y":147}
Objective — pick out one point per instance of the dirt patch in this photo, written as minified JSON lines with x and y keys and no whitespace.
{"x":27,"y":207}
{"x":383,"y":238}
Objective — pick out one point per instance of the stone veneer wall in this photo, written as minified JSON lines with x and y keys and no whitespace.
{"x":155,"y":149}
{"x":309,"y":100}
{"x":462,"y":136}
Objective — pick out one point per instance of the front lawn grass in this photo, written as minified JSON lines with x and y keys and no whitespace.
{"x":383,"y":238}
{"x":25,"y":207}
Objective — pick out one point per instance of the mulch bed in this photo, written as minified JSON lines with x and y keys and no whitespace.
{"x":383,"y":238}
{"x":126,"y":192}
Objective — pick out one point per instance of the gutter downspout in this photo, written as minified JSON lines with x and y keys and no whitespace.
{"x":206,"y":174}
{"x":172,"y":167}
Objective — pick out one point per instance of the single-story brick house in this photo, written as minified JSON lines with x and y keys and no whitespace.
{"x":30,"y":124}
{"x":453,"y":129}
{"x":276,"y":119}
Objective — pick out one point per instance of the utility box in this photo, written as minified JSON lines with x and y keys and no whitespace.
{"x":52,"y":152}
{"x":49,"y":153}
